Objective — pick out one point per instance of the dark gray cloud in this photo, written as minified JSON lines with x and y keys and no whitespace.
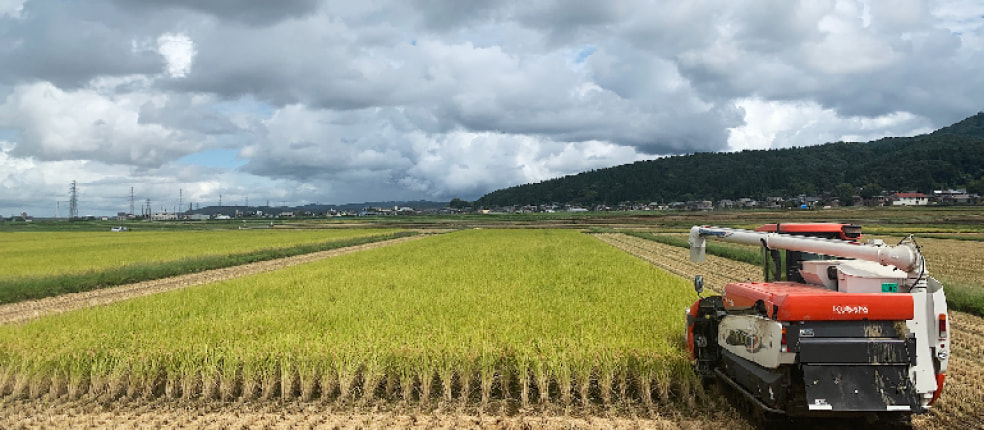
{"x":180,"y":112}
{"x":69,"y":44}
{"x":251,"y":12}
{"x":441,"y":15}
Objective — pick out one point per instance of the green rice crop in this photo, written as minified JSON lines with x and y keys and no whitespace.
{"x":964,"y":296}
{"x":14,"y":290}
{"x":32,"y":254}
{"x":525,"y":315}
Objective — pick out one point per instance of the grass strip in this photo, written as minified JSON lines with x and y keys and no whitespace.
{"x":953,"y":237}
{"x":964,"y":297}
{"x":22,"y":289}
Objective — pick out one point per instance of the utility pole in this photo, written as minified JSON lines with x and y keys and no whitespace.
{"x":73,"y":201}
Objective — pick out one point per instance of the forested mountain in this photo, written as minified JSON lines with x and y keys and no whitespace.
{"x":950,"y":157}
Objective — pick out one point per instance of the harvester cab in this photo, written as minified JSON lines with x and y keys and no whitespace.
{"x":787,"y":265}
{"x":838,"y":328}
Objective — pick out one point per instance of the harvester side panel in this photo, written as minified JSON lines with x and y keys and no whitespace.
{"x":789,"y":301}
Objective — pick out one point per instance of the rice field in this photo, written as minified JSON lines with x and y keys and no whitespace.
{"x":35,"y":254}
{"x":954,"y":259}
{"x":523,"y":316}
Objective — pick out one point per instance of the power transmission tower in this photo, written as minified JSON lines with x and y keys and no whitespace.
{"x":73,"y":201}
{"x":132,"y":213}
{"x":180,"y":199}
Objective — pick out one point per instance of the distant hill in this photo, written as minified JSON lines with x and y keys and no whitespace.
{"x":949,"y":157}
{"x":319,"y":208}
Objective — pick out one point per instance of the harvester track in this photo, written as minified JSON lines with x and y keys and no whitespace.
{"x":717,"y":271}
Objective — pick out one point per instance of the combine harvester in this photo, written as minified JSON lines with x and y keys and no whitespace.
{"x":838,"y":328}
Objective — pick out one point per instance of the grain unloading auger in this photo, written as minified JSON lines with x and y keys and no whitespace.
{"x":838,"y":328}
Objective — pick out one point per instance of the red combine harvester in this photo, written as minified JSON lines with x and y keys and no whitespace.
{"x":838,"y":328}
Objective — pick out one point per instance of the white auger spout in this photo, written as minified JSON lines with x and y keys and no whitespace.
{"x":904,"y":256}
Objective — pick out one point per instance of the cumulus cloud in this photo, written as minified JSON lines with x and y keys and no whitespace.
{"x":88,"y":124}
{"x":337,"y":101}
{"x":178,"y":51}
{"x":325,"y":146}
{"x":773,"y":124}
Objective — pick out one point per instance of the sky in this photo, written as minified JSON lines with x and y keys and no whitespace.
{"x":293,"y":102}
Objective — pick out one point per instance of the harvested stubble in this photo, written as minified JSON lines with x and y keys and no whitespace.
{"x":532,"y":316}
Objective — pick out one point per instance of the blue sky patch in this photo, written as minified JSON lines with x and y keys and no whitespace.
{"x":584,"y":53}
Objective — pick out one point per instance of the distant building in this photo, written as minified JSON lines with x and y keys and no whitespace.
{"x":910,"y":199}
{"x":163,"y":216}
{"x":953,"y":197}
{"x":746,"y":202}
{"x":700,"y":205}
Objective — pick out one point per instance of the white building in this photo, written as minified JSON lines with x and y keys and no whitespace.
{"x":910,"y":199}
{"x":163,"y":216}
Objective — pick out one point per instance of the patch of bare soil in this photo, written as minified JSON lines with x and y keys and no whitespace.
{"x":960,"y":406}
{"x":25,"y":311}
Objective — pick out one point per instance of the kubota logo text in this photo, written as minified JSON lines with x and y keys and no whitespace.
{"x":851,"y":310}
